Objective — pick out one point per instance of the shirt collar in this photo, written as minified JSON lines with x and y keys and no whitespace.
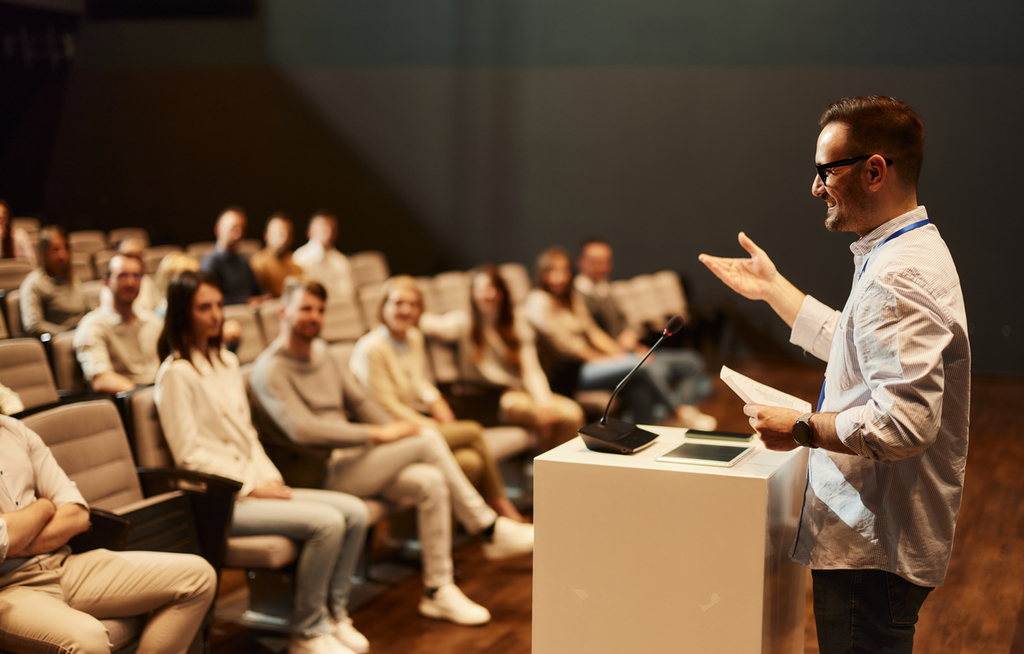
{"x":871,"y":240}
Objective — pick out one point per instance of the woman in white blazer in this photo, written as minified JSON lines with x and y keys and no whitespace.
{"x":204,"y":412}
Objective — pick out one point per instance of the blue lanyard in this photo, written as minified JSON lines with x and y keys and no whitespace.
{"x":900,"y":232}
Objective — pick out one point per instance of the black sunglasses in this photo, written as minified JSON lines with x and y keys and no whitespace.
{"x":824,"y":169}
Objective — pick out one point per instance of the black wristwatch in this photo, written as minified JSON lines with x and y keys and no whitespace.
{"x":803,"y":432}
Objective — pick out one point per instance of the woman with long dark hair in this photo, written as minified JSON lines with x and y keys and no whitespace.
{"x":204,"y":412}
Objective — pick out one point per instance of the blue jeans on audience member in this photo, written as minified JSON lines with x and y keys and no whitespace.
{"x":865,"y":611}
{"x":332,"y":528}
{"x":641,"y":393}
{"x":679,"y":374}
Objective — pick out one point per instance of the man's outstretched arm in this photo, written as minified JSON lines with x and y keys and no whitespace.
{"x":756,"y":278}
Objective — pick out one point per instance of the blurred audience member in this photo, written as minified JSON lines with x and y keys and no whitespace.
{"x":273,"y":264}
{"x":228,"y":267}
{"x":320,"y":259}
{"x":10,"y":402}
{"x":116,"y":343}
{"x":14,"y":242}
{"x":149,"y":295}
{"x":51,"y":296}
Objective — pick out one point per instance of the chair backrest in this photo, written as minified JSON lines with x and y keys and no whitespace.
{"x":93,"y":291}
{"x":451,"y":291}
{"x":66,"y":371}
{"x":25,"y":370}
{"x":517,"y":278}
{"x":370,"y":298}
{"x":13,"y":272}
{"x":13,"y":300}
{"x":116,"y":235}
{"x":147,"y":437}
{"x":89,"y":241}
{"x":270,"y":319}
{"x":343,"y":321}
{"x":3,"y":328}
{"x":199,"y":249}
{"x":81,"y":266}
{"x":153,"y":255}
{"x":369,"y":267}
{"x":430,"y":301}
{"x":670,"y":293}
{"x":630,"y":304}
{"x":89,"y":443}
{"x":252,"y":336}
{"x":100,"y":261}
{"x":30,"y":225}
{"x":642,"y":288}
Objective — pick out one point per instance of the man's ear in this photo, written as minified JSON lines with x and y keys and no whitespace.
{"x":876,"y":172}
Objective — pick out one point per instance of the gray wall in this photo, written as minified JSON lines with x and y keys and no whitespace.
{"x":490,"y":130}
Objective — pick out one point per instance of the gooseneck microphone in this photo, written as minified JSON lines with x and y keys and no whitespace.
{"x":617,"y":436}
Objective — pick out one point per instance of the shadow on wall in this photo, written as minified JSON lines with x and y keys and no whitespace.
{"x":169,"y":148}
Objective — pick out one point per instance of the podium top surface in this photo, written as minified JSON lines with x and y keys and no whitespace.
{"x":761,"y":464}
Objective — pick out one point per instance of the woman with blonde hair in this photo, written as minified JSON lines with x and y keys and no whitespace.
{"x":391,"y":362}
{"x":497,"y":349}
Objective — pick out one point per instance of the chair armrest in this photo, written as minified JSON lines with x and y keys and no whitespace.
{"x":106,"y":530}
{"x":212,"y":499}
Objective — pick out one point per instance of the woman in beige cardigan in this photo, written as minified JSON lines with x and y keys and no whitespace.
{"x":390,"y":362}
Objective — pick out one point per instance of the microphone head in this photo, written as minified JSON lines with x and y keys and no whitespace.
{"x":674,"y":325}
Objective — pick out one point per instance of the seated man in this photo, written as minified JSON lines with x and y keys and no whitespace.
{"x":320,"y":259}
{"x":51,"y":296}
{"x":273,"y":264}
{"x":116,"y":343}
{"x":52,"y":600}
{"x":229,"y":268}
{"x":149,"y":295}
{"x":304,"y":390}
{"x":679,"y":367}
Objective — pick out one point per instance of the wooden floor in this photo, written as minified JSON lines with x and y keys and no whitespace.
{"x":980,"y":609}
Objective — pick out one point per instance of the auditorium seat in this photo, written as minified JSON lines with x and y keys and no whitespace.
{"x":369,"y":267}
{"x":89,"y":241}
{"x":93,"y":292}
{"x":671,"y":297}
{"x":12,"y":306}
{"x":100,"y":261}
{"x":81,"y":266}
{"x":67,"y":373}
{"x":25,"y":370}
{"x":371,"y":296}
{"x":343,"y":321}
{"x":13,"y":272}
{"x":451,"y":291}
{"x":154,"y":254}
{"x":270,"y":320}
{"x":252,"y":342}
{"x":430,"y":302}
{"x":199,"y":249}
{"x":117,"y":235}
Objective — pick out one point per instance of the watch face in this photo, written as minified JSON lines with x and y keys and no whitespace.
{"x":802,"y":432}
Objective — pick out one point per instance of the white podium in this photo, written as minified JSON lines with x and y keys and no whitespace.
{"x":635,"y":555}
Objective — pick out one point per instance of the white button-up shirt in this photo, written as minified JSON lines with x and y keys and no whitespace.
{"x":898,"y":376}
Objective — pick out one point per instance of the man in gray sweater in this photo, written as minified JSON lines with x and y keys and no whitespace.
{"x":308,"y":392}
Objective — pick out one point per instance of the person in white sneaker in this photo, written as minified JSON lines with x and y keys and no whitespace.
{"x":204,"y":412}
{"x":307,"y":393}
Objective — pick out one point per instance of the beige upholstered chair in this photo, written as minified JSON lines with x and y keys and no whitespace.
{"x":67,"y":373}
{"x":270,"y":319}
{"x":88,"y":241}
{"x":154,"y":254}
{"x":100,"y":261}
{"x":13,"y":272}
{"x":88,"y":441}
{"x":12,"y":305}
{"x":249,"y":246}
{"x":115,"y":236}
{"x":451,"y":291}
{"x":343,"y":321}
{"x":199,"y":249}
{"x":81,"y":266}
{"x":369,"y":267}
{"x":25,"y":369}
{"x":370,"y":298}
{"x":252,"y":342}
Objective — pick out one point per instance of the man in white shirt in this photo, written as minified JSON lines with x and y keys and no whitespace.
{"x":889,"y":437}
{"x":52,"y":600}
{"x":321,"y":261}
{"x":116,"y":343}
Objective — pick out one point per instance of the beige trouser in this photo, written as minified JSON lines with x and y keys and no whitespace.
{"x":519,"y":408}
{"x":55,"y":605}
{"x":418,"y":470}
{"x":466,"y":440}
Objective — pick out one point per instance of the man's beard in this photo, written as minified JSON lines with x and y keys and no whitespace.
{"x":845,"y":218}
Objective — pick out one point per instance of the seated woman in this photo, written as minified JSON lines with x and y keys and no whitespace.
{"x":14,"y":243}
{"x":51,"y":297}
{"x":573,"y":341}
{"x":205,"y":417}
{"x":496,"y":348}
{"x":390,"y":362}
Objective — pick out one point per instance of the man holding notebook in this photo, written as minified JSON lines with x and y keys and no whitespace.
{"x":889,"y":437}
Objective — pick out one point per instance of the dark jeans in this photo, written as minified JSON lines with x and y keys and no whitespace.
{"x":865,"y":611}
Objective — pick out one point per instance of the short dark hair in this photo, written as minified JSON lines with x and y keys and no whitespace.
{"x":878,"y":124}
{"x":278,"y":215}
{"x":323,"y":213}
{"x":231,"y":207}
{"x":592,"y":240}
{"x":293,"y":285}
{"x":176,"y":336}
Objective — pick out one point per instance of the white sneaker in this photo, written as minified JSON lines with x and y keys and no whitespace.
{"x":449,"y":603}
{"x":350,"y":637}
{"x":326,"y":644}
{"x":510,"y":538}
{"x":691,"y":418}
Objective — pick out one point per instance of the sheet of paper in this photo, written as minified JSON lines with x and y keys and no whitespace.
{"x":753,"y":392}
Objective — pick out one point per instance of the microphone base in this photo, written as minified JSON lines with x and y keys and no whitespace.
{"x":616,"y":437}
